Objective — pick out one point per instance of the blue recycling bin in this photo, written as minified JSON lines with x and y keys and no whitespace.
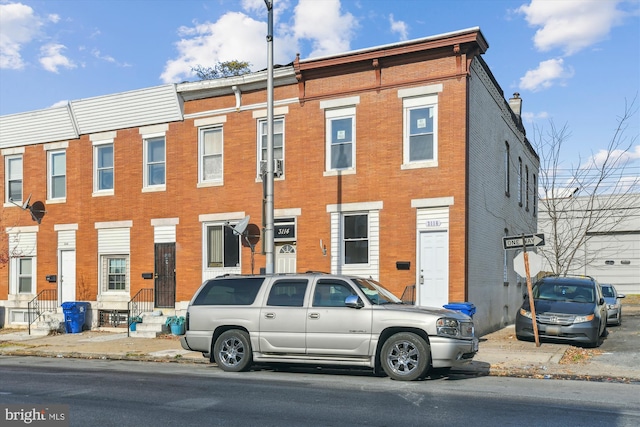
{"x":74,"y":315}
{"x":465,"y":307}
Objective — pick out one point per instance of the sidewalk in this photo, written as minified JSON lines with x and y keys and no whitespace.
{"x":500,"y":354}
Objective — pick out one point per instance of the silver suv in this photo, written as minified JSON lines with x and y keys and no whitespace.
{"x":323,"y":319}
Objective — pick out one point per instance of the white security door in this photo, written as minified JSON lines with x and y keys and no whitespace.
{"x":433,"y":280}
{"x":67,"y":276}
{"x":285,"y":258}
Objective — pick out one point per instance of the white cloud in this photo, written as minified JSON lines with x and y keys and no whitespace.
{"x":399,"y":27}
{"x":18,"y":26}
{"x":571,"y":25}
{"x":547,"y":73}
{"x":206,"y":44}
{"x":617,"y":158}
{"x":51,"y":58}
{"x":322,"y":22}
{"x":533,"y":117}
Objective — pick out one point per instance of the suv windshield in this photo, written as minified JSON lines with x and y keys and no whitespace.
{"x":570,"y":292}
{"x":376,"y":293}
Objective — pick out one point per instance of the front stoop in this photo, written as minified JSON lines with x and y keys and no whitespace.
{"x":151,"y":327}
{"x":47,"y":323}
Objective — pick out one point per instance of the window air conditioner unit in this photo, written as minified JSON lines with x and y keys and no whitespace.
{"x":278,"y":167}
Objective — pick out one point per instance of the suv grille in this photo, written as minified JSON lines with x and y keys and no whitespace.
{"x":555,"y":318}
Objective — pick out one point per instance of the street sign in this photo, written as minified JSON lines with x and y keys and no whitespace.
{"x":516,"y":242}
{"x":535,"y":264}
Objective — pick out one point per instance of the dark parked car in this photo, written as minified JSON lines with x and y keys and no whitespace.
{"x":569,"y":309}
{"x":614,"y":308}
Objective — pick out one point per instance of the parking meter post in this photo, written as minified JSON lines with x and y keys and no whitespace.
{"x":534,"y":320}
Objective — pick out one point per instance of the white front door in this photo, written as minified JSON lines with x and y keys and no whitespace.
{"x":285,"y":258}
{"x":433,"y":280}
{"x":67,"y":276}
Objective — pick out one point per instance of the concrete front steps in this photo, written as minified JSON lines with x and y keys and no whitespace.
{"x":151,"y":326}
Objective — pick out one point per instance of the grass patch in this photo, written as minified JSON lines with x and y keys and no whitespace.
{"x":578,"y":355}
{"x":631,"y":299}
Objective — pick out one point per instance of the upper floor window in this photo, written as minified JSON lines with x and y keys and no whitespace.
{"x":341,"y":138}
{"x":356,"y":238}
{"x":57,"y":174}
{"x":526,"y":188}
{"x":13,"y":168}
{"x":420,"y":130}
{"x":223,"y":247}
{"x":507,"y":173}
{"x":278,"y":144}
{"x":520,"y":181}
{"x":210,"y":150}
{"x":154,"y":162}
{"x":535,"y":195}
{"x":103,"y":167}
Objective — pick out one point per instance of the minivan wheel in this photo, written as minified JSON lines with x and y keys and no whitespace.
{"x":232,"y":351}
{"x":405,"y":356}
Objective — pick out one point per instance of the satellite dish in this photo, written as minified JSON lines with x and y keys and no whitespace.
{"x":241,"y":226}
{"x":37,"y":211}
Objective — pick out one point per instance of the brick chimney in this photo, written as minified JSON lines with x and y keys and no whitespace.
{"x":516,"y":104}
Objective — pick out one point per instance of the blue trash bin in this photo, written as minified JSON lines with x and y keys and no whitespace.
{"x":464,"y":307}
{"x":74,"y":316}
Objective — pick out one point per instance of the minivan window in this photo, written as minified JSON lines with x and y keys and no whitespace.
{"x":229,"y":291}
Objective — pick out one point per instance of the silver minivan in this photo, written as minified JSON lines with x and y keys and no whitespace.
{"x":322,"y":319}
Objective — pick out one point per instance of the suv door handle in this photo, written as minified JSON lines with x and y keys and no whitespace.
{"x":314,"y":315}
{"x":270,"y":315}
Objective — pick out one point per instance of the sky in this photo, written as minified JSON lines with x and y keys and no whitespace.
{"x":575,"y":63}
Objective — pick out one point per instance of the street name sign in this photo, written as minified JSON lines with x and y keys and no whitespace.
{"x":527,"y":240}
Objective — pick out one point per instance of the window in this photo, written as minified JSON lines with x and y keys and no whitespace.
{"x":223,"y":247}
{"x":341,"y":138}
{"x":278,"y":142}
{"x":57,"y":174}
{"x":211,"y":155}
{"x":229,"y":291}
{"x":356,"y":238}
{"x":520,"y":181}
{"x":526,"y":187}
{"x":103,"y":167}
{"x":115,"y":276}
{"x":420,"y":135}
{"x":154,"y":161}
{"x":13,"y":167}
{"x":25,"y":275}
{"x":535,"y":195}
{"x":331,"y":294}
{"x":287,"y":293}
{"x":507,"y":173}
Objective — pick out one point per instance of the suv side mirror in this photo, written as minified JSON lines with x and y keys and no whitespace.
{"x":601,"y":301}
{"x":353,"y":301}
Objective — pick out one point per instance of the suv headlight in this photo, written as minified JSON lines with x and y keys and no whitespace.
{"x":525,"y":313}
{"x":454,"y":328}
{"x":580,"y":319}
{"x":612,"y":306}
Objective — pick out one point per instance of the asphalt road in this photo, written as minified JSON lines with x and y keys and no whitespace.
{"x":622,"y":346}
{"x":120,"y":393}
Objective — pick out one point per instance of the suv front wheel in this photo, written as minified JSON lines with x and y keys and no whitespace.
{"x":405,"y":356}
{"x":232,"y":351}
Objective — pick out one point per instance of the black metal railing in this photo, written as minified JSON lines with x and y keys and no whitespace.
{"x":46,"y":301}
{"x":409,"y":294}
{"x":142,"y":302}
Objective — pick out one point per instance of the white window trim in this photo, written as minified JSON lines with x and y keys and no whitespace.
{"x":103,"y":277}
{"x":96,"y":147}
{"x":50,"y":154}
{"x":146,"y":188}
{"x":210,"y":272}
{"x":211,"y":182}
{"x":408,"y":104}
{"x":330,"y":115}
{"x":12,"y":203}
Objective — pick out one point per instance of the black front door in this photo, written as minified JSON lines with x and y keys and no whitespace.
{"x":165,"y":275}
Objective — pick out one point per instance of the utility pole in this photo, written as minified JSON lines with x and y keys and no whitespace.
{"x":269,"y":175}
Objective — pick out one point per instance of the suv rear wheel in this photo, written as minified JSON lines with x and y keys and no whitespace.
{"x":232,"y":351}
{"x":405,"y":356}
